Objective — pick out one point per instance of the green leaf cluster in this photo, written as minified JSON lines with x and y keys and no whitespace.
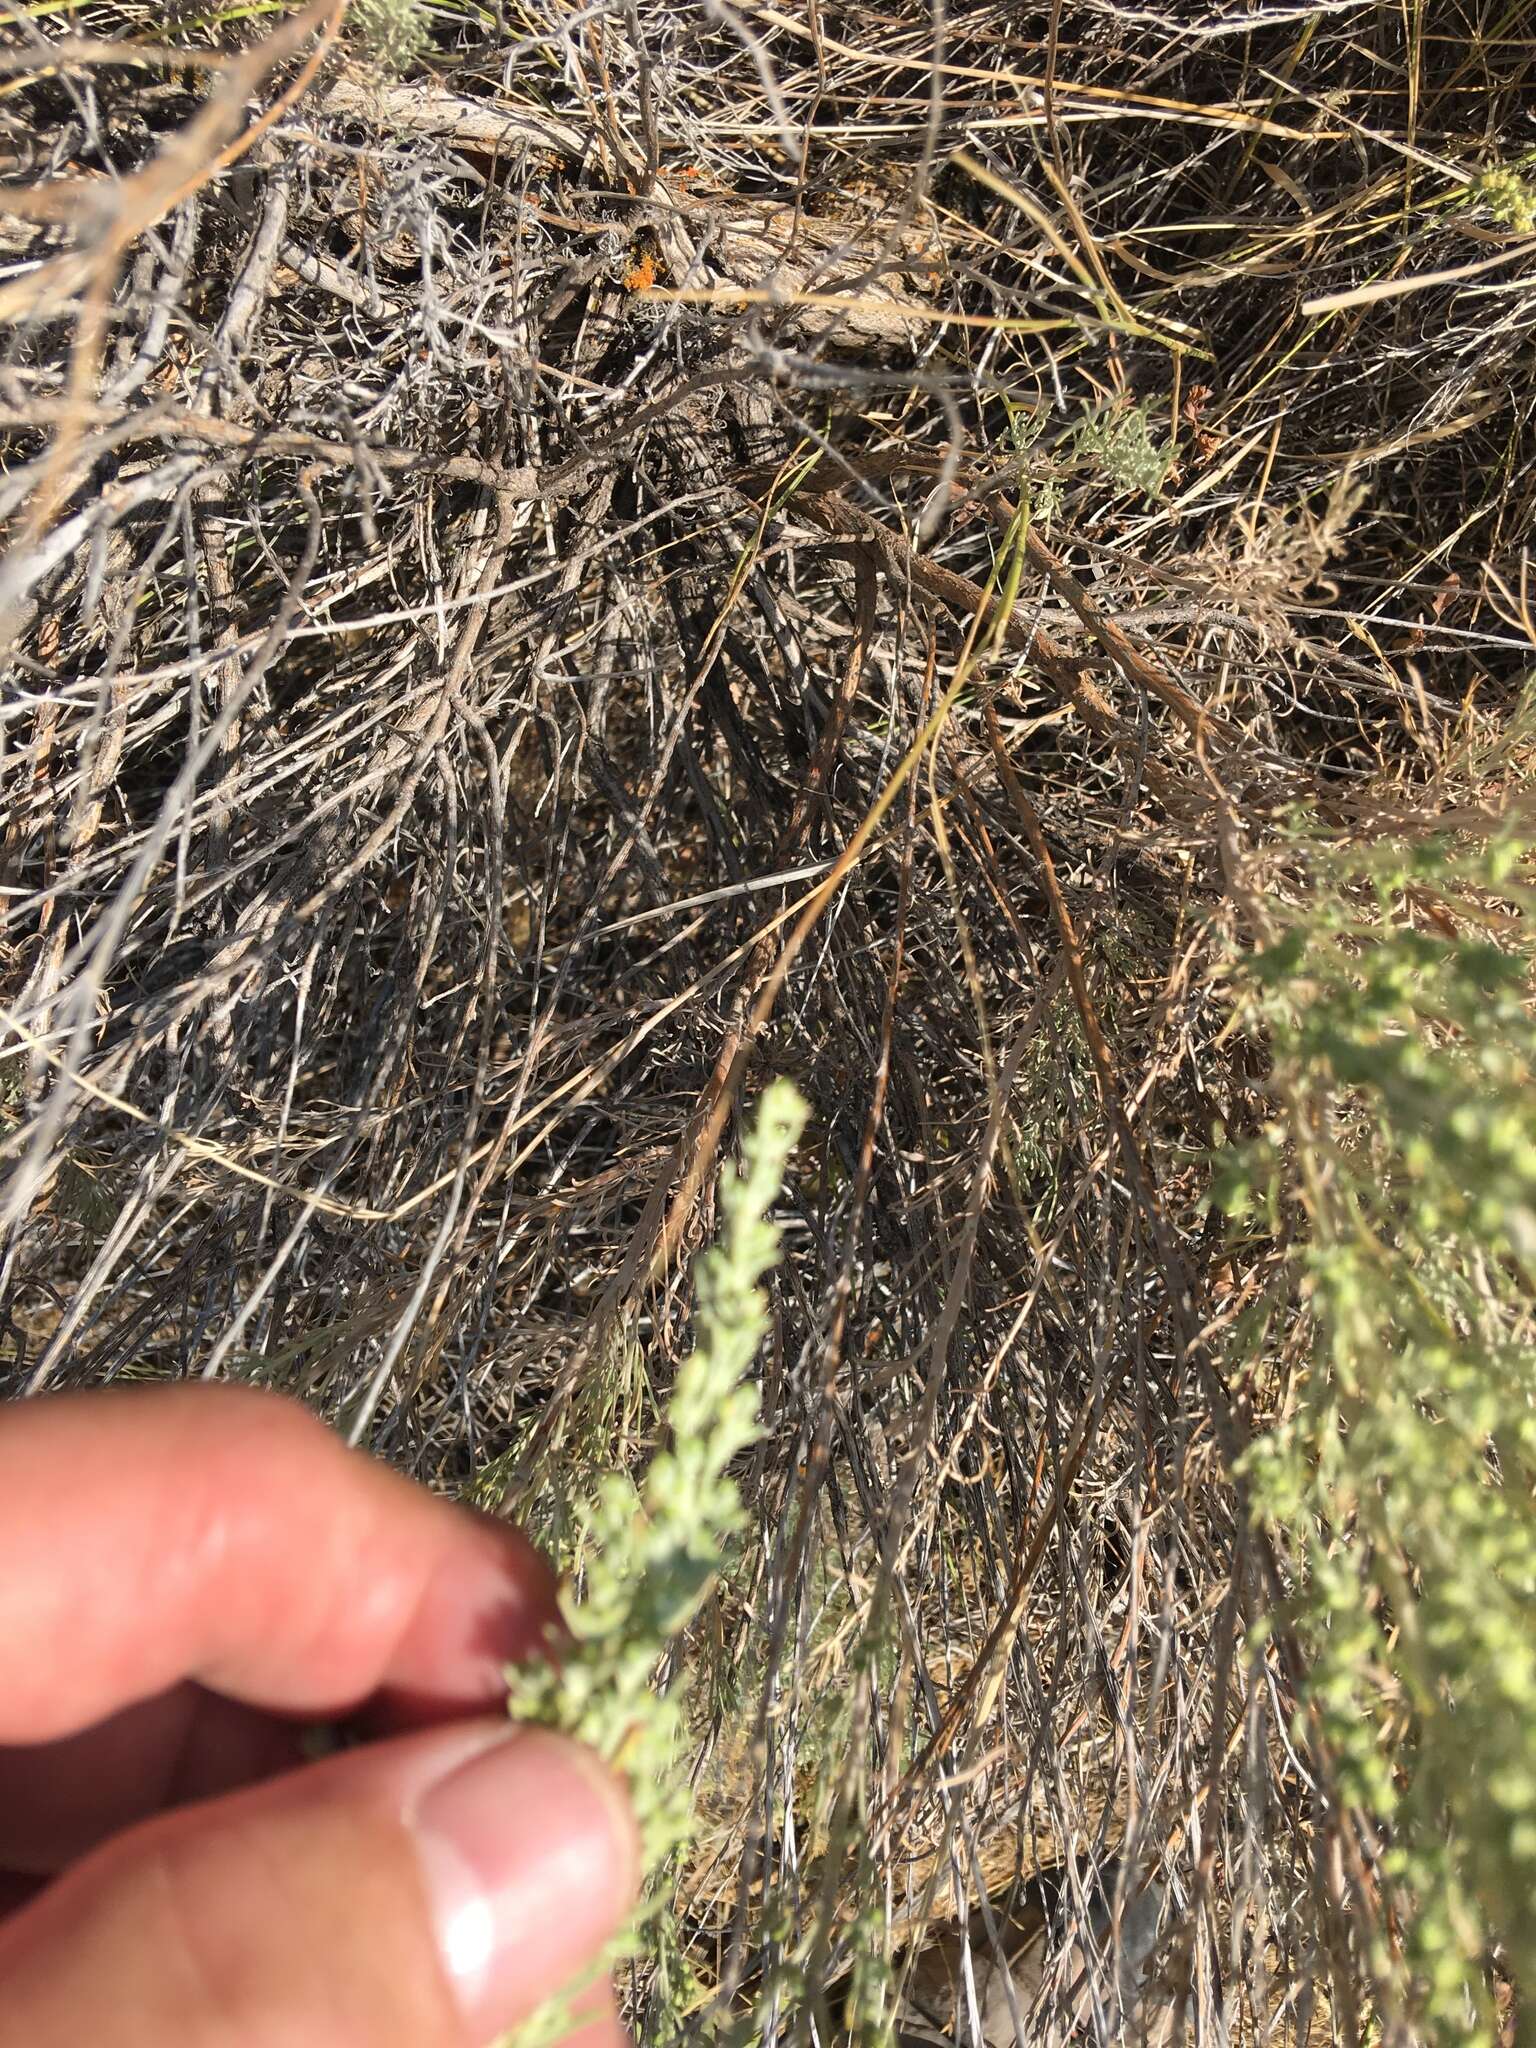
{"x":1509,"y":197}
{"x":1118,"y":439}
{"x":652,"y":1552}
{"x":1399,"y":1171}
{"x":394,"y":34}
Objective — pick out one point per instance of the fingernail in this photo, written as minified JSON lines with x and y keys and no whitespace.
{"x":530,"y":1861}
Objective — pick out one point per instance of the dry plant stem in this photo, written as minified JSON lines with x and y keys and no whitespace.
{"x":963,"y":596}
{"x":70,"y":53}
{"x":166,"y":422}
{"x":426,"y":109}
{"x":137,"y":204}
{"x":716,"y":1106}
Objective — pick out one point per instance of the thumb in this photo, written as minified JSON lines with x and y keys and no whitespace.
{"x":427,"y":1892}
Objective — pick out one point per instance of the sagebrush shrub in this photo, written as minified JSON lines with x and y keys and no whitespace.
{"x":1399,"y":1172}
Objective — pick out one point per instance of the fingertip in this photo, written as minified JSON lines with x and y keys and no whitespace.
{"x":223,"y":1534}
{"x":491,"y":1600}
{"x":430,"y":1892}
{"x":532,"y":1864}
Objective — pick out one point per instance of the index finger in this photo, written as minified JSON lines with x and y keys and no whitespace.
{"x":219,"y":1534}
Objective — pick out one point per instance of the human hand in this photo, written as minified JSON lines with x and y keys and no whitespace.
{"x":188,"y":1577}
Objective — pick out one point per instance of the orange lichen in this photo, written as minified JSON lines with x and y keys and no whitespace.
{"x":643,"y":276}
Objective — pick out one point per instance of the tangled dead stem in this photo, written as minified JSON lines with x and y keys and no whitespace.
{"x":494,"y":504}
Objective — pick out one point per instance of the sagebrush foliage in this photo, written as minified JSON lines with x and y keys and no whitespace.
{"x":1400,"y":1169}
{"x":650,"y":1554}
{"x":394,"y":34}
{"x":1119,"y":440}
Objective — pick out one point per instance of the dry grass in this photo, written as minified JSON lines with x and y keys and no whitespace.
{"x":484,"y":552}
